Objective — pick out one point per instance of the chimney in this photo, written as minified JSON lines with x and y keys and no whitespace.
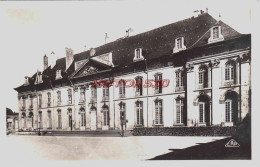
{"x":45,"y":62}
{"x":69,"y":57}
{"x":196,"y":13}
{"x":92,"y":52}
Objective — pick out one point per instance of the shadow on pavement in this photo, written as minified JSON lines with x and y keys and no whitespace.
{"x":216,"y":150}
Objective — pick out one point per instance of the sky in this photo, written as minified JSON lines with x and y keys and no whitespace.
{"x":29,"y":30}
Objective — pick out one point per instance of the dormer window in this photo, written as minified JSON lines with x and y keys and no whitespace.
{"x":216,"y":34}
{"x":58,"y":74}
{"x":26,"y":81}
{"x":179,"y":45}
{"x":138,"y":54}
{"x":38,"y":78}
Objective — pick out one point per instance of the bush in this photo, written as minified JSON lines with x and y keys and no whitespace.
{"x":185,"y":131}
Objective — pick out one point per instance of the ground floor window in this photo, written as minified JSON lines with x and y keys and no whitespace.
{"x":59,"y":120}
{"x":40,"y":119}
{"x":201,"y":112}
{"x":179,"y":111}
{"x":139,"y":113}
{"x":158,"y":112}
{"x":50,"y":119}
{"x":83,"y":117}
{"x":106,"y":116}
{"x":228,"y":109}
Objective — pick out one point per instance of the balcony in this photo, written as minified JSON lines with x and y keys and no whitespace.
{"x":31,"y":107}
{"x":228,"y":83}
{"x":49,"y":104}
{"x":105,"y":98}
{"x":40,"y":105}
{"x":82,"y":101}
{"x":93,"y":99}
{"x":58,"y":103}
{"x":121,"y":95}
{"x":23,"y":108}
{"x":138,"y":94}
{"x":179,"y":89}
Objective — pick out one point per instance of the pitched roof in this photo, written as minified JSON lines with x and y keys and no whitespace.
{"x":154,"y":43}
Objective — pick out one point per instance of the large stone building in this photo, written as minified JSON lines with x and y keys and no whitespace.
{"x":195,"y":72}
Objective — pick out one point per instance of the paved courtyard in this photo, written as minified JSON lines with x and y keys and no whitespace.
{"x":96,"y":148}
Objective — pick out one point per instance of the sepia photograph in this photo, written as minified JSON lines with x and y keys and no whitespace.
{"x":127,"y":80}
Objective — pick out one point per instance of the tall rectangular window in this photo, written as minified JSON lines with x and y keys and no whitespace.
{"x":201,"y":112}
{"x":40,"y":119}
{"x":228,"y":108}
{"x":105,"y":92}
{"x":179,"y":43}
{"x":59,"y":97}
{"x":69,"y":96}
{"x":158,"y":83}
{"x":82,"y":95}
{"x":122,"y":88}
{"x":49,"y":120}
{"x":158,"y":112}
{"x":24,"y":103}
{"x":83,"y":118}
{"x":40,"y":100}
{"x":106,"y":116}
{"x":139,"y":113}
{"x":215,"y":32}
{"x":94,"y":93}
{"x":139,"y":86}
{"x":59,"y":120}
{"x":179,"y":111}
{"x":49,"y":99}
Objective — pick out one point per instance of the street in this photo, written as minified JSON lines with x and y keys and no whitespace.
{"x":96,"y":148}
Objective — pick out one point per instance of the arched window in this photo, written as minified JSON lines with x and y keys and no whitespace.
{"x":179,"y":110}
{"x":31,"y":116}
{"x":82,"y":117}
{"x":121,"y":88}
{"x":105,"y":116}
{"x":139,"y":86}
{"x":158,"y":112}
{"x":204,"y":110}
{"x":231,"y":107}
{"x":139,"y":113}
{"x":230,"y":71}
{"x":158,"y":83}
{"x":203,"y":76}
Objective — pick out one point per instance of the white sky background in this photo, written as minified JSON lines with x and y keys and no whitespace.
{"x":29,"y":30}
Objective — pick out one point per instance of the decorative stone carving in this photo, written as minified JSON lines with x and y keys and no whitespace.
{"x":214,"y":63}
{"x":189,"y":67}
{"x":90,"y":69}
{"x":245,"y":58}
{"x":75,"y":88}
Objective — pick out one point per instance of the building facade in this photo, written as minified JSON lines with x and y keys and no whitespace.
{"x":195,"y":72}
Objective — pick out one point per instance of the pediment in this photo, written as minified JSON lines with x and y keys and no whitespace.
{"x":89,"y":68}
